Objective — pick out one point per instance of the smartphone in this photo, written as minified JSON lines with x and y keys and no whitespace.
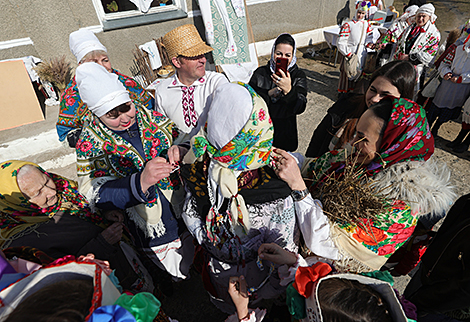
{"x":281,"y":64}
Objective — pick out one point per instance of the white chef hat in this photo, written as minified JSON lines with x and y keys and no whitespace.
{"x":100,"y":90}
{"x":82,"y":42}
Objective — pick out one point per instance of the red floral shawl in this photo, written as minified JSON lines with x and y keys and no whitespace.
{"x":406,"y":138}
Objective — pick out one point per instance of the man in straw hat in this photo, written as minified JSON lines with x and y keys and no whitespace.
{"x":73,"y":112}
{"x":185,"y":97}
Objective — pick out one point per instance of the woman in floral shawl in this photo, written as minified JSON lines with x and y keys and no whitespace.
{"x":45,"y":211}
{"x":73,"y":112}
{"x":234,"y":200}
{"x":394,"y":146}
{"x":120,"y":166}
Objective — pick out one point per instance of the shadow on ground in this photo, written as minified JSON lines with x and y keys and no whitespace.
{"x":441,"y":144}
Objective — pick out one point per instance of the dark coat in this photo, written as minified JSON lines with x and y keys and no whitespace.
{"x":284,"y":111}
{"x":348,"y":106}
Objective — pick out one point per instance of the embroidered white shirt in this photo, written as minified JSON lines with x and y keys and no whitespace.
{"x":187,"y":106}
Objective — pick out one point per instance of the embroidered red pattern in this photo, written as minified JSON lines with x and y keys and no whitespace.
{"x":97,"y":293}
{"x":189,"y":113}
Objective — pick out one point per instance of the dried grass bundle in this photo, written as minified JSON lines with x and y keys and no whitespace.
{"x":350,"y":198}
{"x":55,"y":70}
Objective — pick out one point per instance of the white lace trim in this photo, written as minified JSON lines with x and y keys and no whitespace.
{"x":150,"y":230}
{"x":348,"y":264}
{"x":93,"y":194}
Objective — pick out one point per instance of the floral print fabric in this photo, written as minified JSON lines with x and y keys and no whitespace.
{"x":73,"y":111}
{"x":406,"y":138}
{"x":426,"y":44}
{"x":17,"y":212}
{"x":101,"y":152}
{"x":250,"y":149}
{"x":390,"y":231}
{"x":103,"y":155}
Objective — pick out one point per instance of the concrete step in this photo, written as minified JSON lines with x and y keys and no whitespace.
{"x":39,"y":143}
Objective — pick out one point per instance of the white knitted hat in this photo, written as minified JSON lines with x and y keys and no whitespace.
{"x":428,"y":9}
{"x":100,"y":90}
{"x":82,"y":42}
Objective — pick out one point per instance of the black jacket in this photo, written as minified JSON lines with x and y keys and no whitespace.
{"x":346,"y":107}
{"x":284,"y":111}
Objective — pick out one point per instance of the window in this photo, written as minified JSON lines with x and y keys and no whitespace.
{"x":116,"y":14}
{"x":252,"y":2}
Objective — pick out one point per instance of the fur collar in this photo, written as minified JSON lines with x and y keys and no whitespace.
{"x":425,"y":185}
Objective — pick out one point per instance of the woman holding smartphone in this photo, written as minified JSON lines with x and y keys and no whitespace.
{"x":283,"y":86}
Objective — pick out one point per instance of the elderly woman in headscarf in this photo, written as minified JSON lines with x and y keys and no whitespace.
{"x":393,"y":150}
{"x":285,"y":93}
{"x":45,"y":211}
{"x":388,"y":42}
{"x":419,"y":42}
{"x":234,"y":200}
{"x":121,"y":165}
{"x":352,"y":42}
{"x":402,"y":22}
{"x":73,"y":113}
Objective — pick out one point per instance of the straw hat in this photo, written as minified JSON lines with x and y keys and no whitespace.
{"x":185,"y":41}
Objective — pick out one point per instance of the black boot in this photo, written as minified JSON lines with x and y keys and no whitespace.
{"x":462,"y":147}
{"x":458,"y":139}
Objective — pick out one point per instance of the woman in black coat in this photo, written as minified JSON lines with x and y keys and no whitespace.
{"x":285,"y":95}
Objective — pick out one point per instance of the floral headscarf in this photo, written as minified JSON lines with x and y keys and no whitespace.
{"x":406,"y":138}
{"x":103,"y":155}
{"x":464,"y":36}
{"x":250,"y":149}
{"x":18,"y":214}
{"x":272,"y":62}
{"x":363,"y":6}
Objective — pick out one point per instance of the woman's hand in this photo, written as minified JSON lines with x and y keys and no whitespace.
{"x":176,"y":154}
{"x":154,"y":171}
{"x":114,"y":215}
{"x":274,"y":253}
{"x":454,"y":79}
{"x":287,"y":169}
{"x":113,"y":233}
{"x":283,"y":82}
{"x":239,"y":295}
{"x":448,"y":76}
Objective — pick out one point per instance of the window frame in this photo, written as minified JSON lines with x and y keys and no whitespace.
{"x":252,"y":2}
{"x":125,"y":19}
